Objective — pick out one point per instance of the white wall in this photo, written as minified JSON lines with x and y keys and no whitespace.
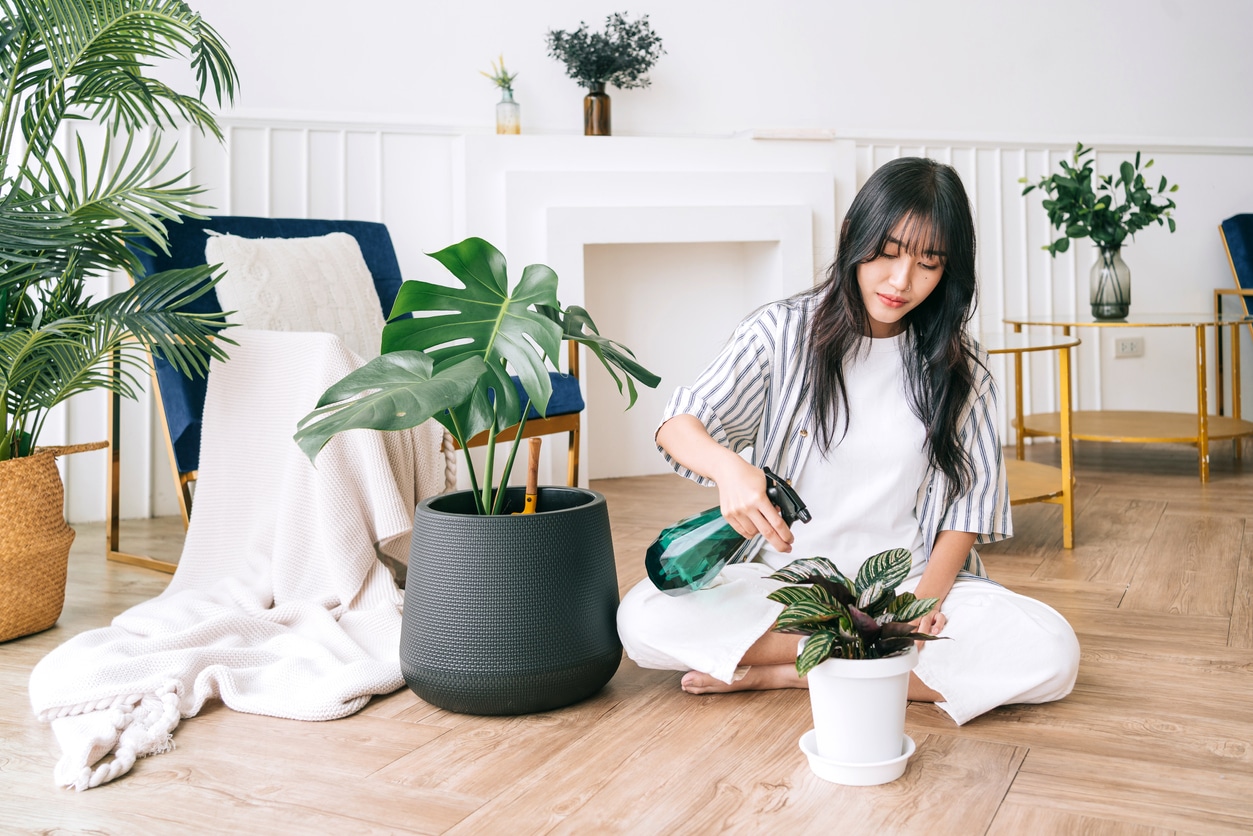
{"x":1057,"y":69}
{"x":359,"y":110}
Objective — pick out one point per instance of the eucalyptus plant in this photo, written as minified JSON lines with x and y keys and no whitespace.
{"x":861,"y":618}
{"x":1104,"y":208}
{"x":620,"y":55}
{"x":64,"y":219}
{"x":453,"y":361}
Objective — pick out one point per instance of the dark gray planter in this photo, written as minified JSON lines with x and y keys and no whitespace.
{"x":510,"y":614}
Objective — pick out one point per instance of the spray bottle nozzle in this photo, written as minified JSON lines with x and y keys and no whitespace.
{"x":789,"y":503}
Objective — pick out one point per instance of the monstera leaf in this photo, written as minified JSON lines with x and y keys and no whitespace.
{"x":483,"y":319}
{"x":402,"y":393}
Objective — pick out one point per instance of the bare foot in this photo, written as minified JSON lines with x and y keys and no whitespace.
{"x":758,"y":678}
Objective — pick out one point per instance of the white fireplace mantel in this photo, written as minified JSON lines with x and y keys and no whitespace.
{"x":547,"y":199}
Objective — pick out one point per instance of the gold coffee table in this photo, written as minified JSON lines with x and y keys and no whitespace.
{"x":1198,"y":428}
{"x":1032,"y":481}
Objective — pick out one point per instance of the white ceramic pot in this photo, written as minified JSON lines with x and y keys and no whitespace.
{"x":859,"y":707}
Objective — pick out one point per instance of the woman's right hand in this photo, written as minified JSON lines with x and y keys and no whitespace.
{"x":741,"y":486}
{"x":745,"y":505}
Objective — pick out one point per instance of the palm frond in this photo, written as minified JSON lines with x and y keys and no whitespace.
{"x":93,"y":54}
{"x":150,"y":312}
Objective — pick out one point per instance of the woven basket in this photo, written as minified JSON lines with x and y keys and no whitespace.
{"x":34,"y":541}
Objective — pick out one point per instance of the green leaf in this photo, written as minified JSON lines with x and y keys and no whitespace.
{"x":870,"y":595}
{"x":817,"y":650}
{"x":888,"y":568}
{"x":576,"y":324}
{"x":788,"y":595}
{"x":806,"y":569}
{"x":805,"y":614}
{"x":912,"y":610}
{"x":483,"y":319}
{"x":403,"y":392}
{"x":1171,"y":223}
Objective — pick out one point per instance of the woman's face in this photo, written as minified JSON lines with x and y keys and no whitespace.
{"x":896,"y":282}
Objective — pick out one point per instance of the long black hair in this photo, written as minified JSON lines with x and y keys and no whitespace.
{"x":940,"y":362}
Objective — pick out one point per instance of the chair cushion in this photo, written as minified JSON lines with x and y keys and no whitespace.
{"x":566,"y":397}
{"x":299,"y":284}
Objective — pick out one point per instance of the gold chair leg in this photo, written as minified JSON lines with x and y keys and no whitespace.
{"x":572,"y":460}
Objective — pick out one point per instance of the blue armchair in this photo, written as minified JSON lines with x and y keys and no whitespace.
{"x":182,"y":398}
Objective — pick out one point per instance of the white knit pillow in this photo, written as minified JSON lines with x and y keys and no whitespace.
{"x":299,"y":284}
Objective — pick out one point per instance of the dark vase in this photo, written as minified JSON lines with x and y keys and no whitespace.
{"x":596,"y":110}
{"x":510,"y":614}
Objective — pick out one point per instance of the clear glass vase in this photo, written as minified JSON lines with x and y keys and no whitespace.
{"x":508,"y":114}
{"x":1111,"y":285}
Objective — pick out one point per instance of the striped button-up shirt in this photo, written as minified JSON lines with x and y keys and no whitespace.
{"x":756,"y":394}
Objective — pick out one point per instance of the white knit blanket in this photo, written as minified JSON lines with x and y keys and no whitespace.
{"x":280,"y":605}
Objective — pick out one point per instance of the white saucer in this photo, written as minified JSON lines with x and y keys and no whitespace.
{"x":855,"y":774}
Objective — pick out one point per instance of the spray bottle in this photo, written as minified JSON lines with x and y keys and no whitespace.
{"x":689,"y":554}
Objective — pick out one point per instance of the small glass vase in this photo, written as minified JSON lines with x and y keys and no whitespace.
{"x":508,"y":114}
{"x":1111,"y":285}
{"x":596,"y":110}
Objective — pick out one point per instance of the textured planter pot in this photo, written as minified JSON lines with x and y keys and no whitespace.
{"x":859,"y":707}
{"x":510,"y":614}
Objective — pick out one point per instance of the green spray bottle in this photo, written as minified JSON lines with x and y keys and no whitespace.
{"x":689,"y":554}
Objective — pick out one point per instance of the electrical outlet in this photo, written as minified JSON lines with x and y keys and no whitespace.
{"x":1129,"y":347}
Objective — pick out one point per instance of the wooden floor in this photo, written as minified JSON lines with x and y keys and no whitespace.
{"x":1157,"y":737}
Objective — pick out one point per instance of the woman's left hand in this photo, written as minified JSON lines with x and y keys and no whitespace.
{"x":932,"y":624}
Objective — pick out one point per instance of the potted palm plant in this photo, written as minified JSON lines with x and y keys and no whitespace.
{"x":857,"y":654}
{"x":504,"y":613}
{"x":621,"y":55}
{"x":1108,"y":210}
{"x":65,"y":219}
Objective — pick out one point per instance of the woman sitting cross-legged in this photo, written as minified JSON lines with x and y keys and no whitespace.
{"x":868,"y":395}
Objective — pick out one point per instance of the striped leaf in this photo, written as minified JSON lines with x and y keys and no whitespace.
{"x":808,"y":568}
{"x":817,"y":649}
{"x":805,"y":614}
{"x":788,"y":595}
{"x":888,"y":568}
{"x":913,"y":609}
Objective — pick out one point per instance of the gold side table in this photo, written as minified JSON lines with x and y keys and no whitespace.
{"x":1032,"y":481}
{"x":1198,"y":428}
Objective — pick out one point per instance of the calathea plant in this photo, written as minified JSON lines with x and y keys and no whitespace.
{"x":453,"y":361}
{"x":862,"y":618}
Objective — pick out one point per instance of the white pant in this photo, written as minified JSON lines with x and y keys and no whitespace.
{"x":1000,"y":647}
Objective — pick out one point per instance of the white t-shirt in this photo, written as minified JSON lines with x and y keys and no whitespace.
{"x":862,"y":494}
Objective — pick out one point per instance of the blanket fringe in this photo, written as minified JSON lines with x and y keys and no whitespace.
{"x":143,"y":728}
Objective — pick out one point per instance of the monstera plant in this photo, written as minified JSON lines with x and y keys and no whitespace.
{"x":453,"y":361}
{"x":65,"y":218}
{"x":861,"y":618}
